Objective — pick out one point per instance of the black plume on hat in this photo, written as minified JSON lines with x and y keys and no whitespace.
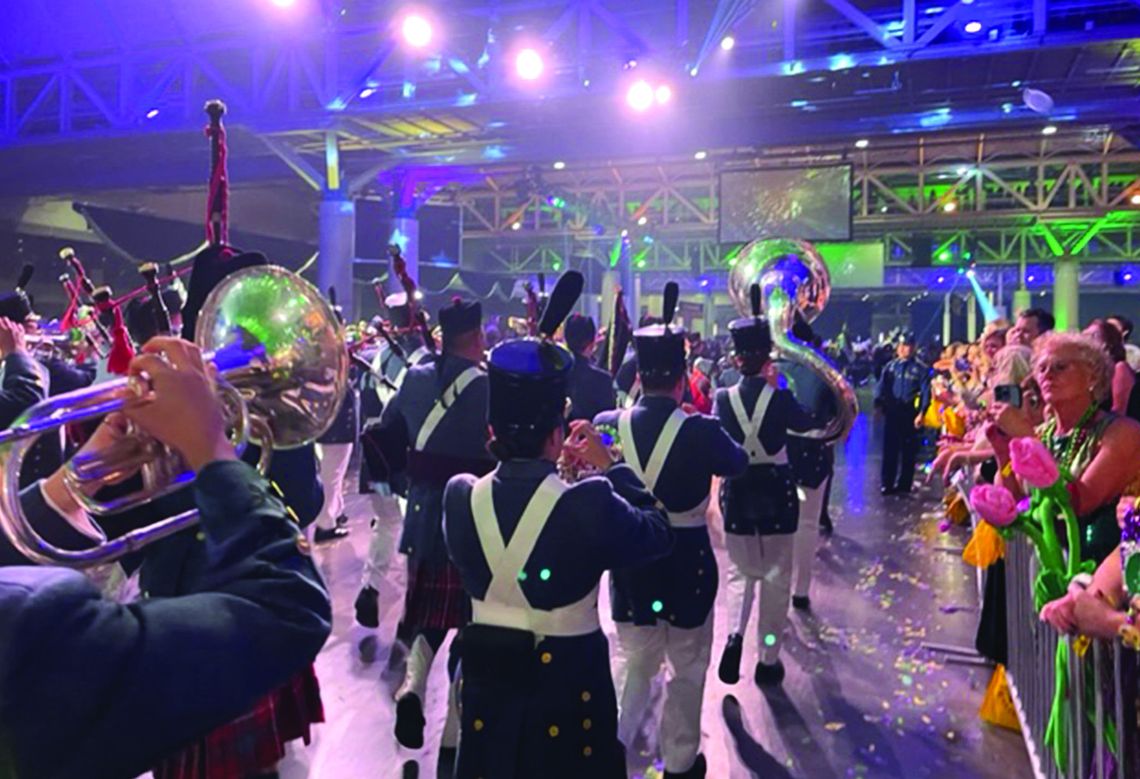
{"x":672,"y":293}
{"x":754,"y":298}
{"x":562,"y":299}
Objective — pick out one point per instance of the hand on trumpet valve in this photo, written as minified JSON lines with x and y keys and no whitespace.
{"x":11,"y":337}
{"x":179,"y":402}
{"x":584,"y":444}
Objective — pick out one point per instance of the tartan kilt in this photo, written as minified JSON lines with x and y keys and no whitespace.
{"x":435,"y":598}
{"x":255,"y":742}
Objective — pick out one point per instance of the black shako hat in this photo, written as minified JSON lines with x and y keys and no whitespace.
{"x":460,"y":317}
{"x":528,"y":376}
{"x":661,"y":348}
{"x":752,"y":334}
{"x":16,"y":305}
{"x":140,"y":314}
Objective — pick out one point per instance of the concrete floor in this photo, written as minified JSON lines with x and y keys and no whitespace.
{"x":862,"y":697}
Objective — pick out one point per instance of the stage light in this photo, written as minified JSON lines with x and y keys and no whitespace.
{"x":862,"y":143}
{"x":559,"y":165}
{"x":643,"y":221}
{"x":516,"y":225}
{"x":700,"y":155}
{"x":640,"y":96}
{"x":529,"y":65}
{"x":1049,"y":129}
{"x":704,"y":282}
{"x":973,"y":27}
{"x":367,"y":92}
{"x":950,"y":207}
{"x":416,"y":30}
{"x":970,"y":273}
{"x":663,"y":94}
{"x":693,"y":71}
{"x":556,"y":266}
{"x":152,"y":113}
{"x":941,"y":279}
{"x":727,"y":43}
{"x":944,"y":256}
{"x":284,"y":3}
{"x":1030,"y":279}
{"x":1134,"y":200}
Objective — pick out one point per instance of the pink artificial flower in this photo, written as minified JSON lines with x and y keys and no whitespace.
{"x":994,"y":504}
{"x":1033,"y":462}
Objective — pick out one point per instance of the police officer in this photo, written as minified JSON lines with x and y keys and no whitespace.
{"x":434,"y":428}
{"x":389,"y":367}
{"x":760,"y":508}
{"x":538,"y":698}
{"x":590,"y":388}
{"x":896,"y":397}
{"x":664,"y":609}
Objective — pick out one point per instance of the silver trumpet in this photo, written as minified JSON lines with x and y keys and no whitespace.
{"x":281,"y":368}
{"x":793,"y":277}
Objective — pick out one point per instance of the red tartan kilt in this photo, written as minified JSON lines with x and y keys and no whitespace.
{"x":435,"y":598}
{"x":255,"y":742}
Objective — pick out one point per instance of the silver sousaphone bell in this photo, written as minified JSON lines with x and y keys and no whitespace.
{"x":793,"y":278}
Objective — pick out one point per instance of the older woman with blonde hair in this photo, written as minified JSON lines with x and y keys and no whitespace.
{"x":1099,"y":448}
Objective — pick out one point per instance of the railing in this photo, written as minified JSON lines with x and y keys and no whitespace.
{"x":1106,"y":679}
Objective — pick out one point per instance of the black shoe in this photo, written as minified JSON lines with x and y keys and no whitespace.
{"x":368,"y":608}
{"x":410,"y":721}
{"x":342,"y":520}
{"x":696,"y":772}
{"x":729,"y":671}
{"x":769,"y":675}
{"x":322,"y":536}
{"x":887,"y":490}
{"x":801,"y":603}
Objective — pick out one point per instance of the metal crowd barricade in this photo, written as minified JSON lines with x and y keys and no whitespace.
{"x":1109,"y":666}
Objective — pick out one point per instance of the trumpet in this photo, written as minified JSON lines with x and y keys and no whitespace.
{"x":282,"y":371}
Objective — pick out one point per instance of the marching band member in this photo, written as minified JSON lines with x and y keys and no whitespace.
{"x":664,"y":609}
{"x":89,"y":687}
{"x":591,"y":389}
{"x":760,"y":508}
{"x":387,"y":507}
{"x":25,"y":380}
{"x":335,"y":452}
{"x":538,"y":698}
{"x":812,"y":461}
{"x":434,"y":428}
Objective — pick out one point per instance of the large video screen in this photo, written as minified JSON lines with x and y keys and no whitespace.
{"x":809,"y":203}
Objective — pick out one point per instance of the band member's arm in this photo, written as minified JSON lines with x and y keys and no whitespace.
{"x":725,"y":457}
{"x":797,"y":417}
{"x":141,"y":680}
{"x":629,"y":524}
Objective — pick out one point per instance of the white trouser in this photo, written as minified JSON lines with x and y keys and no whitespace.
{"x":641,"y":650}
{"x":767,"y":560}
{"x":807,"y":535}
{"x":416,"y":675}
{"x":387,"y":519}
{"x":334,"y":465}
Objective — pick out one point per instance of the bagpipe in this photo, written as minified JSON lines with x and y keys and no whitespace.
{"x":275,"y":342}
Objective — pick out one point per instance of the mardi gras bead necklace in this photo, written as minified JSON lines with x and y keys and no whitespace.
{"x":1076,"y":439}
